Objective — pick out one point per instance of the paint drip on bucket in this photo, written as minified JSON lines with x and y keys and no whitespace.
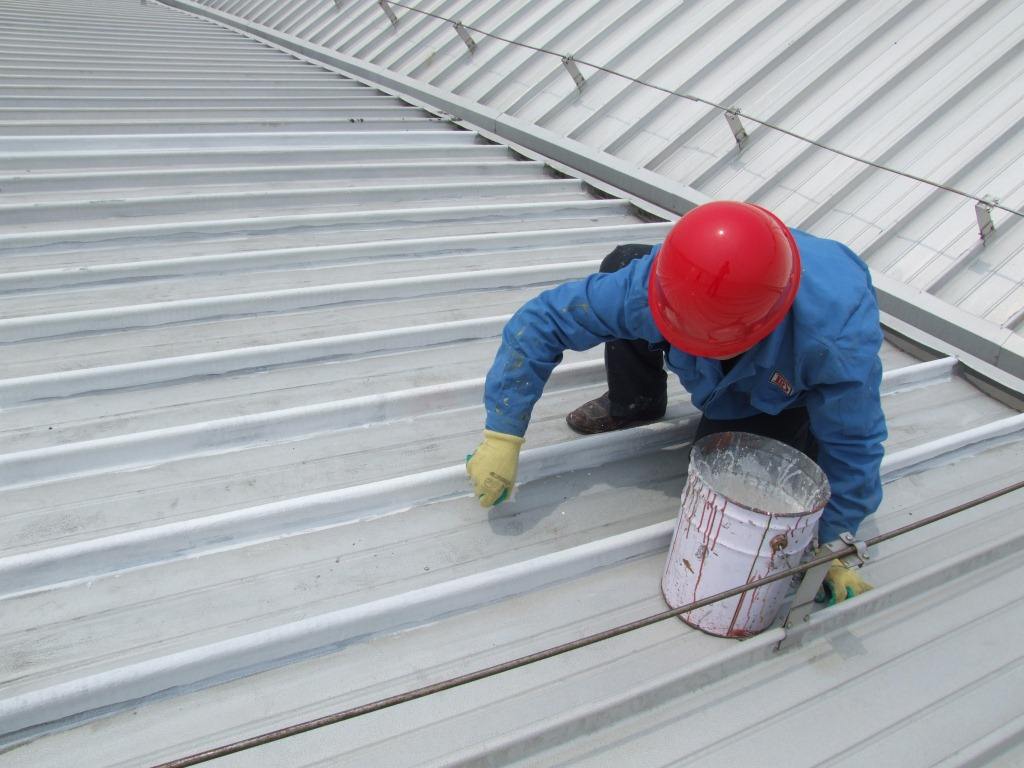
{"x":750,"y":509}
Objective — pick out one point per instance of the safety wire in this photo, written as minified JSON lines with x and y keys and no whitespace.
{"x":522,"y":661}
{"x":723,"y":108}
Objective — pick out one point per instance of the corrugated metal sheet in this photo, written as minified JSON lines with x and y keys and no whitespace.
{"x":929,"y":87}
{"x":247,"y":305}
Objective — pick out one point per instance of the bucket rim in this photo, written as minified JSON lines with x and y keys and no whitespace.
{"x":728,"y":435}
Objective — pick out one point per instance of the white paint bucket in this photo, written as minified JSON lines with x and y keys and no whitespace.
{"x":750,"y":508}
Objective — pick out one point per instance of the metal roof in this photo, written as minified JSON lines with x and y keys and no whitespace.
{"x":929,"y":87}
{"x":248,"y":304}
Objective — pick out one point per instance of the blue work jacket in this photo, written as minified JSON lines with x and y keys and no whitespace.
{"x":823,"y":356}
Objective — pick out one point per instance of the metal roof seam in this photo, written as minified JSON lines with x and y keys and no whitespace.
{"x":242,"y":372}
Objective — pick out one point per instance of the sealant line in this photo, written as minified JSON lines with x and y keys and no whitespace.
{"x":284,"y":300}
{"x":72,"y":162}
{"x":62,"y":384}
{"x":127,"y":179}
{"x":267,"y":224}
{"x":31,"y":44}
{"x":977,"y":438}
{"x":15,"y":75}
{"x":522,"y":661}
{"x":912,"y":376}
{"x":342,"y":125}
{"x":160,"y":446}
{"x":25,"y":213}
{"x":324,"y":255}
{"x":72,"y":563}
{"x":233,"y":140}
{"x":268,"y":647}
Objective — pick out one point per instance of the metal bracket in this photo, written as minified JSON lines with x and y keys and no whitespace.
{"x":860,"y":546}
{"x":388,"y":12}
{"x":732,"y":117}
{"x":464,"y":34}
{"x":570,"y":64}
{"x":983,"y":210}
{"x":803,"y":601}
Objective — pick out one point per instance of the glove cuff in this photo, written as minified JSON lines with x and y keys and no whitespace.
{"x":504,"y":437}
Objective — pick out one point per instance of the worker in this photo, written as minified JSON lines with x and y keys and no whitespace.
{"x":771,"y":331}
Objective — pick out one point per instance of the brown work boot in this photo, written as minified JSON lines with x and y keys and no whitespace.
{"x":595,"y":416}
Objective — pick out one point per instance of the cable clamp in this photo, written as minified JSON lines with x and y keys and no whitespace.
{"x":857,"y":544}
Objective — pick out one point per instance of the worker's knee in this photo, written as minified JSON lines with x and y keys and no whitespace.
{"x":623,"y":255}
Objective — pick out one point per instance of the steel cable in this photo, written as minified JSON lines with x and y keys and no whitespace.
{"x":444,"y":685}
{"x":725,"y":109}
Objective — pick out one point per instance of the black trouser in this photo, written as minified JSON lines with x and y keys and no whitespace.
{"x":637,"y":383}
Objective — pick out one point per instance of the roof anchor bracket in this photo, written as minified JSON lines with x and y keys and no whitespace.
{"x":384,"y":6}
{"x":574,"y":71}
{"x":464,"y":34}
{"x":983,"y":211}
{"x":732,"y":117}
{"x":803,"y":604}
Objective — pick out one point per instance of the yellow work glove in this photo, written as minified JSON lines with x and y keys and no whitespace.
{"x":493,"y":466}
{"x":843,"y":582}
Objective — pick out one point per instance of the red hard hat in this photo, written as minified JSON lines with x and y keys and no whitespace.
{"x":724,"y":278}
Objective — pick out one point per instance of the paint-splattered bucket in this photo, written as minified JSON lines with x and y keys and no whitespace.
{"x":749,"y":509}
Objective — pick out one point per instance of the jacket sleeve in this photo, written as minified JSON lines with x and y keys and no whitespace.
{"x":846,"y":418}
{"x":577,"y":315}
